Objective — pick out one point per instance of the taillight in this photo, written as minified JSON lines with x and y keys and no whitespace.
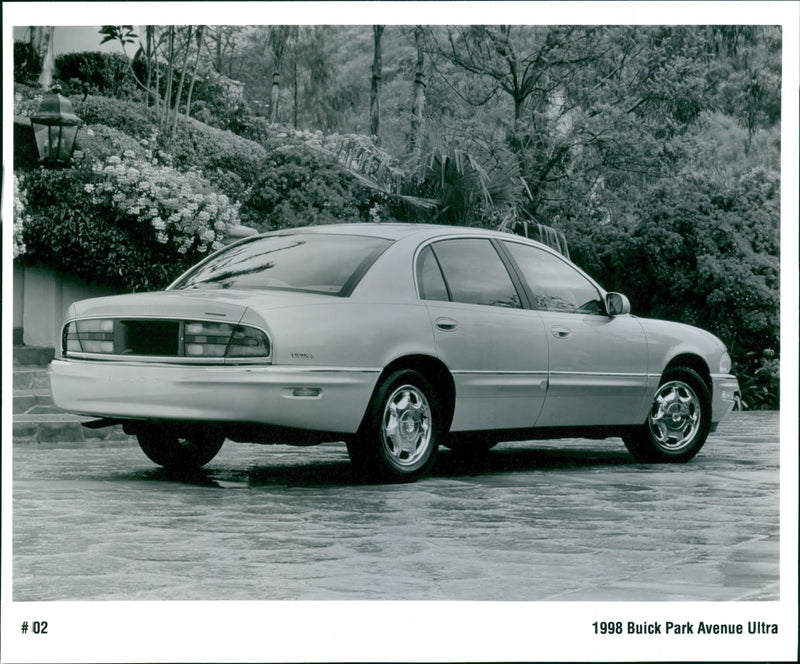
{"x":191,"y":339}
{"x":206,"y":339}
{"x":95,"y":335}
{"x":248,"y":342}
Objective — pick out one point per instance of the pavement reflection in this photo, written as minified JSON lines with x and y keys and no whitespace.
{"x":552,"y":520}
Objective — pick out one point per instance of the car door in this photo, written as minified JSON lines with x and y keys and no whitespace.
{"x":598,"y":363}
{"x":495,"y":349}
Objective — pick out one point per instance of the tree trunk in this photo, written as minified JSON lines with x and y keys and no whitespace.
{"x":418,"y":100}
{"x":168,"y":95}
{"x":275,"y":94}
{"x":148,"y":44}
{"x":278,"y":38}
{"x":179,"y":94}
{"x":294,"y":91}
{"x":200,"y":35}
{"x":374,"y":98}
{"x":46,"y":56}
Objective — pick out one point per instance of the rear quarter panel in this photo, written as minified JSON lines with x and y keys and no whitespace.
{"x":345,"y":333}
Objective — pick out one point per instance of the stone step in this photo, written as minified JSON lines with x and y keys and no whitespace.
{"x":34,"y":402}
{"x":30,"y":378}
{"x":33,"y":356}
{"x":61,"y":428}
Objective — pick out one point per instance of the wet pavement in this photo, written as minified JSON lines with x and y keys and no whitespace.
{"x":548,"y":520}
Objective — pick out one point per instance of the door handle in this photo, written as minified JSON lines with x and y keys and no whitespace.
{"x":560,"y":332}
{"x":446,"y":324}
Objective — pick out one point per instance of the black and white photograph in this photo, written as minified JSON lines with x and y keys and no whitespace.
{"x":400,"y":331}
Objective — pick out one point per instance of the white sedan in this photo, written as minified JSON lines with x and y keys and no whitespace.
{"x":394,"y":338}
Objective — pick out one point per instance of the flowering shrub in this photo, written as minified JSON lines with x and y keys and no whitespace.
{"x":20,"y":217}
{"x":229,"y":162}
{"x":128,"y":116}
{"x":27,"y":100}
{"x":99,"y":142}
{"x":126,"y":222}
{"x":178,"y":206}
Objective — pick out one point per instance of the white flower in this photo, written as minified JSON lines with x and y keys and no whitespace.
{"x":88,"y":188}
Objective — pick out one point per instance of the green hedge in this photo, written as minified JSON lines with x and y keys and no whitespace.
{"x":300,"y":186}
{"x":97,"y":73}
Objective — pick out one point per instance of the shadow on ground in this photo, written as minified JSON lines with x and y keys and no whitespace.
{"x":448,"y":464}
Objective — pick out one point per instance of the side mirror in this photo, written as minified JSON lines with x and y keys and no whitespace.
{"x":617,"y":304}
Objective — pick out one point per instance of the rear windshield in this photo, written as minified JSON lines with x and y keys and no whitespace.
{"x":317,"y":263}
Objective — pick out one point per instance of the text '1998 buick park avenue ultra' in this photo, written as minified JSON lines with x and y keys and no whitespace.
{"x":395,"y":339}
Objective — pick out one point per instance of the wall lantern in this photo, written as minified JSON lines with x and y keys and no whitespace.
{"x":55,"y":128}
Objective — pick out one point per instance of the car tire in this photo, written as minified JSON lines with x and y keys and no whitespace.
{"x":176,"y":451}
{"x":678,"y":423}
{"x":399,"y":437}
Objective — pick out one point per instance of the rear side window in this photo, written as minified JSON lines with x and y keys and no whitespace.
{"x":474,"y":273}
{"x":313,"y":262}
{"x":429,"y":277}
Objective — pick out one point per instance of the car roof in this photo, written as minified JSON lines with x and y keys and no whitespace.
{"x":391,"y":231}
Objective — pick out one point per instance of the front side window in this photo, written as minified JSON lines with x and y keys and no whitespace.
{"x":554,"y":283}
{"x":317,"y":263}
{"x":474,"y":273}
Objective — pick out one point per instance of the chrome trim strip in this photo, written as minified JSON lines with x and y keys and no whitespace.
{"x":556,"y":373}
{"x":166,"y":360}
{"x":499,"y":373}
{"x":604,"y":373}
{"x":159,"y":362}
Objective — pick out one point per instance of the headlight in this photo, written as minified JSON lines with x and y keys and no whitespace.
{"x":725,"y":363}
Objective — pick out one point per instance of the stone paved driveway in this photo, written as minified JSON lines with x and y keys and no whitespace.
{"x":555,"y":520}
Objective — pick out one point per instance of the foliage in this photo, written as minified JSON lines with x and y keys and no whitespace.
{"x":26,"y":65}
{"x":301,"y":186}
{"x":709,"y":257}
{"x":96,"y":73}
{"x":127,"y":222}
{"x":230,"y":162}
{"x":20,"y":219}
{"x":218,"y":100}
{"x":27,"y":100}
{"x":127,"y":116}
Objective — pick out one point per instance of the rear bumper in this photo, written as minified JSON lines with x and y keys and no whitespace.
{"x":314,"y":398}
{"x":724,"y":389}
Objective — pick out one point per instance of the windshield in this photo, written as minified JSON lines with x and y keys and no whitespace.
{"x":317,"y":263}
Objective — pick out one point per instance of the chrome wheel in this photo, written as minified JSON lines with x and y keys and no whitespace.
{"x":674,"y":418}
{"x":406,"y":431}
{"x":678,"y":423}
